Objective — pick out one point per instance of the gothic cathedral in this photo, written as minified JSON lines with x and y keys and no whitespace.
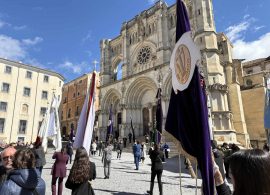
{"x":136,"y":63}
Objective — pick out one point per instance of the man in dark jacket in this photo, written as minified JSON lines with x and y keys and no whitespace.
{"x":156,"y":157}
{"x":7,"y":156}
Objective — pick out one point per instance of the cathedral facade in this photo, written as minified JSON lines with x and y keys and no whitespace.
{"x":136,"y":63}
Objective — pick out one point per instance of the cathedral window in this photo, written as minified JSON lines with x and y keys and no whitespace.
{"x":144,"y":55}
{"x":249,"y":82}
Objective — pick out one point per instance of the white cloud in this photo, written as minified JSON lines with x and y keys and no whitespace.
{"x":256,"y":28}
{"x":249,"y":50}
{"x":252,"y":50}
{"x":15,"y":49}
{"x":236,"y":31}
{"x":33,"y":41}
{"x":88,"y":37}
{"x":75,"y":68}
{"x":11,"y":48}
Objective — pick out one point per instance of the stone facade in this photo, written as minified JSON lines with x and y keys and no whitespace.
{"x":135,"y":63}
{"x":74,"y":93}
{"x":26,"y":92}
{"x":252,"y":76}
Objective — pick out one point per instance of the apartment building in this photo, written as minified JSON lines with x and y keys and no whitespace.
{"x":25,"y":94}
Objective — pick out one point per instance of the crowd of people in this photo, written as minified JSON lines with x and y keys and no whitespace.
{"x":21,"y":167}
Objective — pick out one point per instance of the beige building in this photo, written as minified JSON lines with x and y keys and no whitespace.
{"x":26,"y":91}
{"x":74,"y":93}
{"x":135,"y":63}
{"x":252,"y":77}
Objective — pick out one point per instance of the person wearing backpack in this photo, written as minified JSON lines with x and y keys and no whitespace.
{"x":106,"y":159}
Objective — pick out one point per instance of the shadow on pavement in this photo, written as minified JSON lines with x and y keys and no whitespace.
{"x":172,"y":165}
{"x":115,"y":192}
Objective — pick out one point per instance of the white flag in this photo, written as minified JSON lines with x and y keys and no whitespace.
{"x":54,"y":125}
{"x":43,"y":130}
{"x":87,"y":118}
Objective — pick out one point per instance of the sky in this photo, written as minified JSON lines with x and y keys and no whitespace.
{"x":64,"y":35}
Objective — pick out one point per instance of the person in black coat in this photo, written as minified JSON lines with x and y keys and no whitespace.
{"x":249,"y":170}
{"x":83,"y":171}
{"x":156,"y":157}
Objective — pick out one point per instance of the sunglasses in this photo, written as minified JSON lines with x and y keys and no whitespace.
{"x":7,"y":157}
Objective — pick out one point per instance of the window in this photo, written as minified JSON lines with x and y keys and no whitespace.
{"x":44,"y":95}
{"x":2,"y":125}
{"x":8,"y":69}
{"x":43,"y":110}
{"x":26,"y":91}
{"x":80,"y":81}
{"x":78,"y":94}
{"x":249,"y":71}
{"x":69,"y":111}
{"x":74,"y":95}
{"x":65,"y":100}
{"x":21,"y":139}
{"x":46,"y":79}
{"x":77,"y":111}
{"x":249,"y":82}
{"x":60,"y":83}
{"x":28,"y":75}
{"x":5,"y":87}
{"x":22,"y":127}
{"x":3,"y":106}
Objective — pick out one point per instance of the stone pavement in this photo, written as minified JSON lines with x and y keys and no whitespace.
{"x":124,"y":180}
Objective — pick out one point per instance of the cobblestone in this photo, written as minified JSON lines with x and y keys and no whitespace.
{"x":124,"y":180}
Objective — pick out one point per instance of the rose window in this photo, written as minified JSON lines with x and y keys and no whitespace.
{"x":144,"y":55}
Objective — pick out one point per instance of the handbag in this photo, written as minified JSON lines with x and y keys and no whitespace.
{"x":85,"y":189}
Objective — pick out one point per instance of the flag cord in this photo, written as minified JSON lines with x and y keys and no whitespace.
{"x":196,"y":192}
{"x":180,"y":173}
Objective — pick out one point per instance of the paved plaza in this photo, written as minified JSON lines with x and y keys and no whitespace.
{"x":124,"y":180}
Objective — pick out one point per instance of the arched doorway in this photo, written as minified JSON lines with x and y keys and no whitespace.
{"x":145,"y":121}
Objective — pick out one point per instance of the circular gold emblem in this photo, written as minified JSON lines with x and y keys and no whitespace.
{"x":182,"y":64}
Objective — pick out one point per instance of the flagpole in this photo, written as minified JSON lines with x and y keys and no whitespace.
{"x":180,"y":172}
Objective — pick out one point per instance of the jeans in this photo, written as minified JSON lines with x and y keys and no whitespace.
{"x":107,"y":169}
{"x":137,"y":160}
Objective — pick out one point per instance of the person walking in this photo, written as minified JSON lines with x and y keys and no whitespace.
{"x":119,"y":149}
{"x":82,"y":172}
{"x":24,"y":178}
{"x":59,"y":170}
{"x":69,"y":149}
{"x":100,"y":148}
{"x":143,"y":152}
{"x":106,"y":159}
{"x":137,"y":154}
{"x":94,"y":148}
{"x":39,"y":155}
{"x":166,"y":149}
{"x":156,"y":157}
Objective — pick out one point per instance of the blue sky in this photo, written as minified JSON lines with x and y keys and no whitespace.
{"x":64,"y":35}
